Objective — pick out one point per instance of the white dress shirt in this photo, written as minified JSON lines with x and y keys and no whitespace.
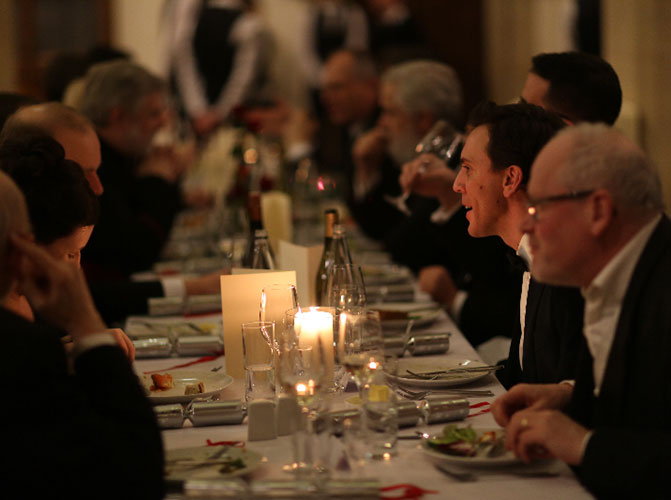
{"x":524,"y":252}
{"x":603,"y":300}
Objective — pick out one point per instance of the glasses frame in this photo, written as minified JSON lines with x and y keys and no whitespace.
{"x":532,"y":205}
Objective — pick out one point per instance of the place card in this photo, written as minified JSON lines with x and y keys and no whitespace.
{"x":305,"y":260}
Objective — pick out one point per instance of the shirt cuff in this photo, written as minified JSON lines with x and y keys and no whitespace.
{"x":585,"y":442}
{"x":569,"y":382}
{"x":457,"y":305}
{"x":92,"y":341}
{"x":442,"y":214}
{"x":298,"y":151}
{"x":173,"y":287}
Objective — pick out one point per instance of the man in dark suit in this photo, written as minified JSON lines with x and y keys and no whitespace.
{"x":79,"y":140}
{"x":127,"y":106}
{"x":89,"y":426}
{"x":596,"y":220}
{"x":496,"y":162}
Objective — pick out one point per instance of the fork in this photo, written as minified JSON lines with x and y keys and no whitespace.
{"x":417,"y":395}
{"x":459,"y":476}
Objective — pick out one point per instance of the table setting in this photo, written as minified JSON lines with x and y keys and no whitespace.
{"x":359,"y":396}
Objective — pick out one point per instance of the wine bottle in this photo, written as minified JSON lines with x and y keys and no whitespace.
{"x":255,"y":223}
{"x":330,"y":220}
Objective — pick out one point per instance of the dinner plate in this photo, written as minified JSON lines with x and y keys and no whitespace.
{"x":384,"y":274}
{"x":507,"y":458}
{"x":422,"y":314}
{"x":419,"y":365}
{"x":187,"y":463}
{"x":213,"y":382}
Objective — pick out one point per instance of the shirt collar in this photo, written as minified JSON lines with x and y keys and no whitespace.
{"x":614,"y":278}
{"x":524,"y":250}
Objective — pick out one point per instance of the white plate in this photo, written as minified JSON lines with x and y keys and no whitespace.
{"x":508,"y":458}
{"x":423,"y":314}
{"x":381,"y":274}
{"x":213,"y":381}
{"x":419,"y":365}
{"x":184,"y":470}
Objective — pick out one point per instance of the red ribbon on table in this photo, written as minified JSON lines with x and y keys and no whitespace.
{"x":410,"y":491}
{"x":237,"y":444}
{"x":190,"y":363}
{"x":487,"y":409}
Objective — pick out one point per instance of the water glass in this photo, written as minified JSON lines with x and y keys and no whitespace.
{"x":259,"y":360}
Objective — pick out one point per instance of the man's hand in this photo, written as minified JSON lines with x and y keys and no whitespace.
{"x":206,"y":122}
{"x":427,"y":175}
{"x":367,"y":152}
{"x":533,"y":396}
{"x":206,"y":284}
{"x":437,"y":282}
{"x":123,"y":341}
{"x":534,"y":434}
{"x":56,"y":289}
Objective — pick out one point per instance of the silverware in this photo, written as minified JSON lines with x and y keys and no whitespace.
{"x":433,"y":375}
{"x":417,"y":395}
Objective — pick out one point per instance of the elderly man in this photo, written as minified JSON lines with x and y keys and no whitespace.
{"x":79,"y":140}
{"x":128,"y":105}
{"x":100,"y":428}
{"x":596,"y":221}
{"x":495,"y":167}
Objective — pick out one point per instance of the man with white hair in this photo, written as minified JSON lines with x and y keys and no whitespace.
{"x":413,"y":97}
{"x":596,"y":221}
{"x":91,"y":423}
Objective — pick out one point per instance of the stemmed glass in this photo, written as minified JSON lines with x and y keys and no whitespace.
{"x":345,"y":287}
{"x":275,"y":301}
{"x":443,"y":141}
{"x":360,"y":344}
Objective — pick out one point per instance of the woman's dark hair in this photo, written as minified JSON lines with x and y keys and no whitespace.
{"x":57,"y":193}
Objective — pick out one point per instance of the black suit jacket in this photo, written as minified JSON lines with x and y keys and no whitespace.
{"x":91,"y":434}
{"x":552,"y":337}
{"x":629,"y":454}
{"x":136,"y":215}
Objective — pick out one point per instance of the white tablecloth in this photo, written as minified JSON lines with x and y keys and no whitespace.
{"x":410,"y":466}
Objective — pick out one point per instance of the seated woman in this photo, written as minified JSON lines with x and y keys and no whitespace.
{"x":62,"y":207}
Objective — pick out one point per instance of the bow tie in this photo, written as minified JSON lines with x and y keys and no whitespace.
{"x":517,"y":262}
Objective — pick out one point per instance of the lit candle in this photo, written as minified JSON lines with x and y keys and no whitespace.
{"x":314,"y":328}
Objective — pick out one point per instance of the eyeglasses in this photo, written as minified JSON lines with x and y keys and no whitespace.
{"x":532,"y":205}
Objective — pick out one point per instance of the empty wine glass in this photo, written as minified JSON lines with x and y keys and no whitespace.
{"x":275,"y":301}
{"x":345,"y":287}
{"x":443,"y":141}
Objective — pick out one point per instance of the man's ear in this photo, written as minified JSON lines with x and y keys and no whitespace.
{"x":602,"y":211}
{"x":512,"y":180}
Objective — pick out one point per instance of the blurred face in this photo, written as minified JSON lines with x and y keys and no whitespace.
{"x":83,"y":148}
{"x":69,"y":248}
{"x":347,"y":99}
{"x":399,"y":126}
{"x":535,"y":89}
{"x":559,"y":230}
{"x":143,"y":123}
{"x":481,"y":186}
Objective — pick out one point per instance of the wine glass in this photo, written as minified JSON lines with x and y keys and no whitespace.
{"x":275,"y":301}
{"x":345,"y":287}
{"x":360,"y":344}
{"x":443,"y":141}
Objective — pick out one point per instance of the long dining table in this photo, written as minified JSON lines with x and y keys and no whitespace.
{"x":411,"y":465}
